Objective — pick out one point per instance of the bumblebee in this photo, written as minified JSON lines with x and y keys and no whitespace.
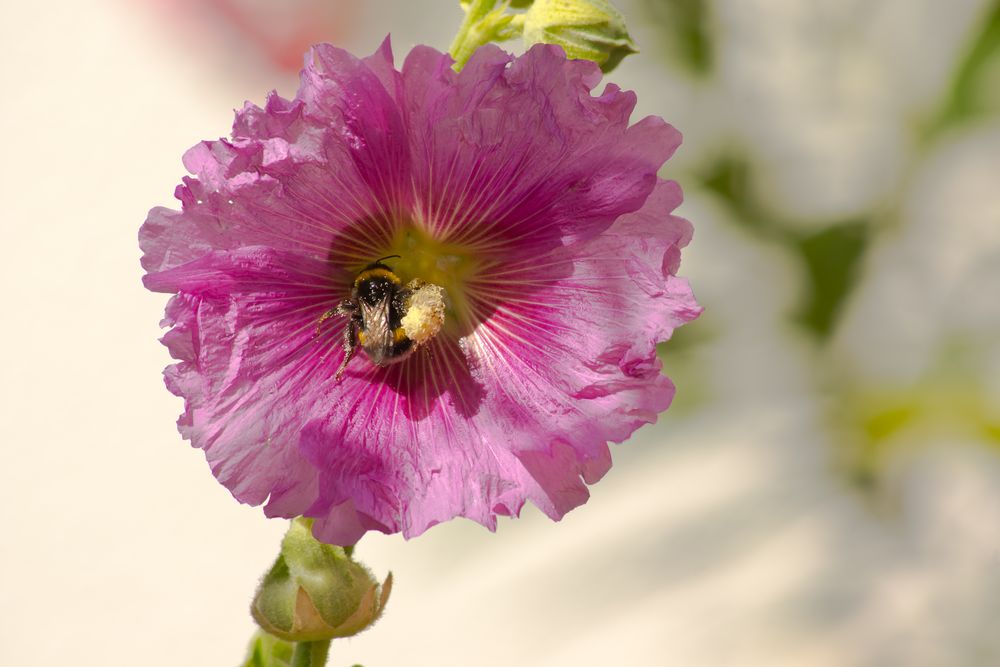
{"x":375,"y":310}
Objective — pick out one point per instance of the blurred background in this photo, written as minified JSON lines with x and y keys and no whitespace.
{"x":825,"y":490}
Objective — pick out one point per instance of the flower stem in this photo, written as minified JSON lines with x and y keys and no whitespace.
{"x":470,"y":37}
{"x":310,"y":654}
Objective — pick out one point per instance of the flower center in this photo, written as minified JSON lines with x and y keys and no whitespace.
{"x":441,"y":271}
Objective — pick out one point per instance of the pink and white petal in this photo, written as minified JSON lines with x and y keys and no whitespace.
{"x":258,"y":212}
{"x":404,"y":451}
{"x":358,"y":99}
{"x":280,"y":118}
{"x":298,"y":173}
{"x":313,"y":209}
{"x":482,"y":179}
{"x":250,"y":369}
{"x":569,"y":350}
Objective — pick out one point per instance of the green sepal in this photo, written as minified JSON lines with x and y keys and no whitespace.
{"x":484,"y":23}
{"x":587,"y":29}
{"x":268,"y":651}
{"x":316,"y":591}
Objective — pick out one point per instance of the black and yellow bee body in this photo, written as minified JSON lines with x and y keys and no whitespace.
{"x":381,"y":299}
{"x":375,"y":310}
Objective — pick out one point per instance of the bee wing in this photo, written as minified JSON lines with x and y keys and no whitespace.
{"x":378,"y":334}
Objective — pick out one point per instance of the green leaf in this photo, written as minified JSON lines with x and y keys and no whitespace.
{"x":269,"y":651}
{"x":976,"y":77}
{"x":831,"y":258}
{"x":686,"y":26}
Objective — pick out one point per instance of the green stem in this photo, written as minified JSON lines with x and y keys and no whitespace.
{"x":310,"y":654}
{"x":469,"y":37}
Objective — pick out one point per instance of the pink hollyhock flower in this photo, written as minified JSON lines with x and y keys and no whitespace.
{"x":530,"y":208}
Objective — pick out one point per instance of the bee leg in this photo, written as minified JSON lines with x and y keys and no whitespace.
{"x":345,"y":307}
{"x":349,"y":346}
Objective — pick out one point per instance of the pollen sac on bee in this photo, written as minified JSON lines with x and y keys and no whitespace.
{"x":424,"y":311}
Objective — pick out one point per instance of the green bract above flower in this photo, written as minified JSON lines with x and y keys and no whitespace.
{"x":588,"y":29}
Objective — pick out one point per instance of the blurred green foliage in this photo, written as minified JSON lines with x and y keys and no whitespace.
{"x":975,"y":80}
{"x":873,"y":423}
{"x":687,"y":32}
{"x":829,"y":257}
{"x":870,"y":424}
{"x":681,"y":357}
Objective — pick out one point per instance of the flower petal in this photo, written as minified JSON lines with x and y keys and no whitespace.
{"x":243,"y":331}
{"x":357,"y":97}
{"x":481,"y":178}
{"x":570,"y":353}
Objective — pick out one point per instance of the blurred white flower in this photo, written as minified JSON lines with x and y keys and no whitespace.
{"x":926,"y":309}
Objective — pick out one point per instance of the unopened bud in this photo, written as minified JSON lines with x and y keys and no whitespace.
{"x":588,"y":29}
{"x":316,"y":592}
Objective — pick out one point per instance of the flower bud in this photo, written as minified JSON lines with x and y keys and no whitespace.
{"x":588,"y":29}
{"x":315,"y":591}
